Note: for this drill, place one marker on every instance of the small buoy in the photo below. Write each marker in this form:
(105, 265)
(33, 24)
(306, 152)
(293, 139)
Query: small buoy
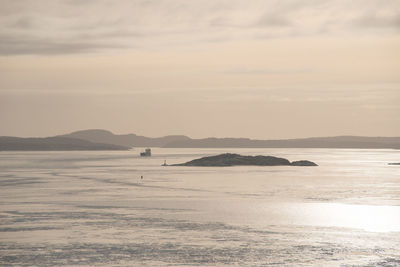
(141, 177)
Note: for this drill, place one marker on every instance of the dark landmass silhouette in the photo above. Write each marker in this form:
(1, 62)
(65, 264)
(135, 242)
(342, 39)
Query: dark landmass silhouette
(181, 141)
(106, 140)
(52, 144)
(228, 159)
(356, 142)
(303, 163)
(394, 163)
(129, 140)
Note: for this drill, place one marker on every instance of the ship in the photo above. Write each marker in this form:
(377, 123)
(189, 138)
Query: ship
(146, 153)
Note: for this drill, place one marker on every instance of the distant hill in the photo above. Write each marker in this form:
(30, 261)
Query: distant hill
(315, 142)
(129, 140)
(52, 144)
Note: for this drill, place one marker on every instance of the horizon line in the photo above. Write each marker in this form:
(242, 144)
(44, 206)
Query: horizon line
(209, 137)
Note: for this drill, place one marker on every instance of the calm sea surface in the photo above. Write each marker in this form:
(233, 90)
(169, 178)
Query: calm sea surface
(93, 209)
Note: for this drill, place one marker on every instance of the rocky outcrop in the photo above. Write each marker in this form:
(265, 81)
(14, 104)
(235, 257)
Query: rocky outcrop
(229, 159)
(303, 163)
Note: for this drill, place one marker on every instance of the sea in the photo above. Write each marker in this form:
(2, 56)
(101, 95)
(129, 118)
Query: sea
(115, 208)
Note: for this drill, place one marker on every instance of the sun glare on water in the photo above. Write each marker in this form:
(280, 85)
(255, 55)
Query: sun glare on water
(367, 217)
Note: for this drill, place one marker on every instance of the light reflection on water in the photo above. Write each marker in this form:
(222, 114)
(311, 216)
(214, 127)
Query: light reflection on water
(370, 218)
(365, 217)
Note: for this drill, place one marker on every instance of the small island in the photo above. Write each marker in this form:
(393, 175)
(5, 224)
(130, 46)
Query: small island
(394, 163)
(229, 159)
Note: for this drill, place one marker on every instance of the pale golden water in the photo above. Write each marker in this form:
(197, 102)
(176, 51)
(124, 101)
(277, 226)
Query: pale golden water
(92, 209)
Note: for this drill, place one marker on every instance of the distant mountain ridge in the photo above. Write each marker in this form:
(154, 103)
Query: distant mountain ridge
(181, 141)
(97, 139)
(52, 144)
(314, 142)
(129, 140)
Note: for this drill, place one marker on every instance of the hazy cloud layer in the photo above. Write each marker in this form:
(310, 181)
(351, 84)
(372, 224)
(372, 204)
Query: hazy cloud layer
(243, 112)
(70, 26)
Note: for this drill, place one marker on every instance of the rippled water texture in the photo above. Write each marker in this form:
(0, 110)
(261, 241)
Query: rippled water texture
(93, 209)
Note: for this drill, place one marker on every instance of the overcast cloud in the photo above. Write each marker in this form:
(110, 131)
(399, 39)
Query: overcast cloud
(70, 26)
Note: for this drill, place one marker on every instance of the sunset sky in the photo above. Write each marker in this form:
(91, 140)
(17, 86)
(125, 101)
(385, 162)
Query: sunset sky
(224, 68)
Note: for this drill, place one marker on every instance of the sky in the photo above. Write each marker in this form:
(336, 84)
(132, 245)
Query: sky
(224, 68)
